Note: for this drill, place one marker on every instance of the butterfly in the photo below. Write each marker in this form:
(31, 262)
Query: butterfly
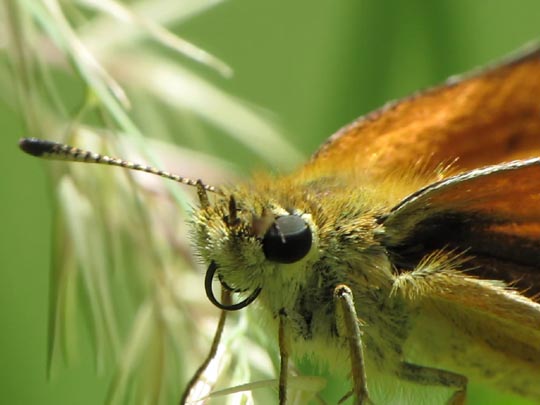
(405, 253)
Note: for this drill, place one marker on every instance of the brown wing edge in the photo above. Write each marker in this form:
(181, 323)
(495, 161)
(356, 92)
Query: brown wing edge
(522, 55)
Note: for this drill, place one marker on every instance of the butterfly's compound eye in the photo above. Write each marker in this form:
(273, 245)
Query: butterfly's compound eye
(287, 240)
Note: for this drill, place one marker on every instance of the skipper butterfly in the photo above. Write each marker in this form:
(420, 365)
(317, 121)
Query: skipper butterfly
(405, 252)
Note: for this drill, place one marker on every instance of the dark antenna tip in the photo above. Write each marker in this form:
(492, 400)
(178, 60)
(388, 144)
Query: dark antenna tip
(36, 147)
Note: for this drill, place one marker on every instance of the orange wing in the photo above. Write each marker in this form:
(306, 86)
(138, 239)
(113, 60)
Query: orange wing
(492, 214)
(481, 119)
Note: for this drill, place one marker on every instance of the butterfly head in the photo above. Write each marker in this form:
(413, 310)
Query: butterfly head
(253, 243)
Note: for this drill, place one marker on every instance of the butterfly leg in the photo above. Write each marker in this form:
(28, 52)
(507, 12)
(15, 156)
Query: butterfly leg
(343, 299)
(225, 299)
(284, 356)
(435, 377)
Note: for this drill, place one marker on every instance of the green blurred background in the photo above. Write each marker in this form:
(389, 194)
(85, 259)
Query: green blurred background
(314, 65)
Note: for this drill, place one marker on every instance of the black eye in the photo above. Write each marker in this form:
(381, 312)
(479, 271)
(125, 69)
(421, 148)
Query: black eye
(288, 240)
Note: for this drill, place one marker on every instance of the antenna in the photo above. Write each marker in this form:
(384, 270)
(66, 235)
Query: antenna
(59, 151)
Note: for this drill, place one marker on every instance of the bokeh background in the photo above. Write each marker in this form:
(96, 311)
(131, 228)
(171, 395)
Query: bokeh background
(314, 66)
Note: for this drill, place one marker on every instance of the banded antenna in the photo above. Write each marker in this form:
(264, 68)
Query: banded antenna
(59, 151)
